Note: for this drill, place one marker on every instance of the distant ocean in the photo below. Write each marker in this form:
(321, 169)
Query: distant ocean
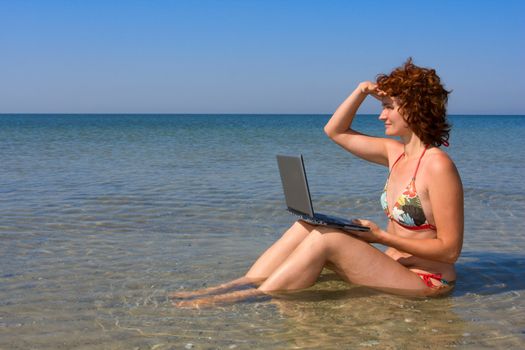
(102, 215)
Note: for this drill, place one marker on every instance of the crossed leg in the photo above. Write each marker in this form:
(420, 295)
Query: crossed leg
(354, 260)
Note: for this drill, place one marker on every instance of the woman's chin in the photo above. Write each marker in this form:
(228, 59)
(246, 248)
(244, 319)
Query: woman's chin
(389, 131)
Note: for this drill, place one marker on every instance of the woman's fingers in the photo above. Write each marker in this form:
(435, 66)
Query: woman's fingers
(368, 87)
(362, 222)
(378, 94)
(367, 223)
(371, 88)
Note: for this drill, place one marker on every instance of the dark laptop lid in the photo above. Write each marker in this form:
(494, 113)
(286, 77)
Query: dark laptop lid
(295, 184)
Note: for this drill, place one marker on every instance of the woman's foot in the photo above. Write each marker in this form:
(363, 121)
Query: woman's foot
(219, 299)
(222, 288)
(193, 293)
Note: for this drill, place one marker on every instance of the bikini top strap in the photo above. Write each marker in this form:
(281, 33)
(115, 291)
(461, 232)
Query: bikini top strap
(419, 161)
(397, 160)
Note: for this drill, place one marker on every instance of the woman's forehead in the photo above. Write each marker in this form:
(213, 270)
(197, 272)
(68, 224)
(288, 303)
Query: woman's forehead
(387, 100)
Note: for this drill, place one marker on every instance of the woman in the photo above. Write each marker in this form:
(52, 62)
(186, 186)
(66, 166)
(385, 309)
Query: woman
(422, 197)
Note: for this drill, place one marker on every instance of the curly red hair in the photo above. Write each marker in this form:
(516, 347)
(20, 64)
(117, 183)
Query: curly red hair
(422, 99)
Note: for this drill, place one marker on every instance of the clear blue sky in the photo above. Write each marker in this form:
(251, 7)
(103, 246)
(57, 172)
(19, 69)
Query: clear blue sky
(252, 56)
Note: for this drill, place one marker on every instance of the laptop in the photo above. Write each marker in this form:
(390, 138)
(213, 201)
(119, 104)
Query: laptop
(297, 196)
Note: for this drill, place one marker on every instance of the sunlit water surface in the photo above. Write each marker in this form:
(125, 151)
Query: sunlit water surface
(103, 215)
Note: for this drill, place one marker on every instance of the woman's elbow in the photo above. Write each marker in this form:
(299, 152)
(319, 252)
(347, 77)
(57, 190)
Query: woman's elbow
(451, 245)
(329, 132)
(451, 256)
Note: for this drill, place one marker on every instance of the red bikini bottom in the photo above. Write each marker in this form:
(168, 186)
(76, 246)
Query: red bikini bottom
(428, 277)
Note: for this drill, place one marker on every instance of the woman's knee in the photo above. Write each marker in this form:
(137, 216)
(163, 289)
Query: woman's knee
(299, 230)
(315, 241)
(335, 241)
(304, 226)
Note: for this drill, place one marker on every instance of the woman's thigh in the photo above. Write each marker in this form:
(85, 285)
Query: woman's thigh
(361, 263)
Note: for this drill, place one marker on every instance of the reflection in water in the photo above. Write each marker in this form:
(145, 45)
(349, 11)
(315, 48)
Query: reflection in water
(331, 315)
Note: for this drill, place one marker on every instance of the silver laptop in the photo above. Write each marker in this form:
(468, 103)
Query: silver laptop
(297, 196)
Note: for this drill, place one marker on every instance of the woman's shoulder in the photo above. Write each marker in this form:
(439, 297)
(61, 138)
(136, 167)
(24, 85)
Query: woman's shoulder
(439, 163)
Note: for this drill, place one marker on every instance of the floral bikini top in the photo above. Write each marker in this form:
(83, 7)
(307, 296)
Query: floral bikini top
(407, 210)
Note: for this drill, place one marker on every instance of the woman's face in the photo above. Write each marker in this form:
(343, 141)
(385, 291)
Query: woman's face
(395, 124)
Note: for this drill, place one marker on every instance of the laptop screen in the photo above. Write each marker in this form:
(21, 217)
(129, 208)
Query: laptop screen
(295, 185)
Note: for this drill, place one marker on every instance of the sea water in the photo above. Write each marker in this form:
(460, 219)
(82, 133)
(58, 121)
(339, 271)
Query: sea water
(103, 215)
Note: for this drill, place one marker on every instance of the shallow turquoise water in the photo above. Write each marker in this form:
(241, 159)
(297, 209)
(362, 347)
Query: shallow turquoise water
(102, 215)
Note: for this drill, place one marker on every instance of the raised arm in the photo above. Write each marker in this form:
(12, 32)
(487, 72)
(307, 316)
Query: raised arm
(338, 128)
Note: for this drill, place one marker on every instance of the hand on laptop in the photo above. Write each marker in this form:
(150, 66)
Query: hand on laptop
(375, 235)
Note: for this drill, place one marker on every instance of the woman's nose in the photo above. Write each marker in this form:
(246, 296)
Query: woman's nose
(382, 116)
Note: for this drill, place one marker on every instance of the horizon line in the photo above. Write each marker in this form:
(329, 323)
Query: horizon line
(233, 114)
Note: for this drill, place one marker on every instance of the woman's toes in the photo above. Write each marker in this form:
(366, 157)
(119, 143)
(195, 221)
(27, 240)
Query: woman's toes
(192, 304)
